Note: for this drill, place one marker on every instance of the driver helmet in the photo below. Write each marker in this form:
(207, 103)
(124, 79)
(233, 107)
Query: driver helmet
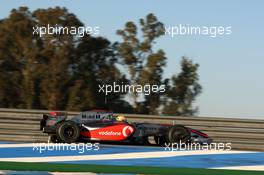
(53, 113)
(121, 118)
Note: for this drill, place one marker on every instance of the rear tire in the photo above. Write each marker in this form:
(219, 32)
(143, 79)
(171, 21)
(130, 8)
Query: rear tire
(68, 132)
(177, 134)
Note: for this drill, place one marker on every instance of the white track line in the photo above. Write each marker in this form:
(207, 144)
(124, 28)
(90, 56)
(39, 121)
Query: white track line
(250, 168)
(21, 145)
(12, 145)
(72, 173)
(119, 156)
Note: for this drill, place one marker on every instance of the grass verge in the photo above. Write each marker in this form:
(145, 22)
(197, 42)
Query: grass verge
(27, 166)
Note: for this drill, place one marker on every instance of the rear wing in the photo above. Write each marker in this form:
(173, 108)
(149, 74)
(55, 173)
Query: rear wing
(52, 118)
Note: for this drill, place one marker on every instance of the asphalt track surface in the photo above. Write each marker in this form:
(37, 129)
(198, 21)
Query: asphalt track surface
(135, 156)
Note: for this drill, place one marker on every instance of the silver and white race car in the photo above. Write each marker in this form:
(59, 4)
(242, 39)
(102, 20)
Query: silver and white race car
(102, 125)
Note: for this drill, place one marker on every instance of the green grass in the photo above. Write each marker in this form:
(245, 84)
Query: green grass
(19, 166)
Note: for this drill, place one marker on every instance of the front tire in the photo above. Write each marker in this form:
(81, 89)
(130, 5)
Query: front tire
(177, 134)
(68, 132)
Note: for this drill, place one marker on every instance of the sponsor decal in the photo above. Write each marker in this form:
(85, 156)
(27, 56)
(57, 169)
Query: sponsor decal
(110, 133)
(127, 130)
(51, 122)
(118, 131)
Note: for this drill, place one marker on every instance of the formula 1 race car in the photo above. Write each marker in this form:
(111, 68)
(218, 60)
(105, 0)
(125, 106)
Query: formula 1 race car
(100, 125)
